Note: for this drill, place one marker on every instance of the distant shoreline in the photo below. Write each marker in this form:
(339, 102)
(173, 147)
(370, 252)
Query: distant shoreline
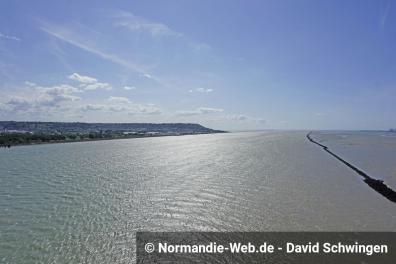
(101, 139)
(15, 133)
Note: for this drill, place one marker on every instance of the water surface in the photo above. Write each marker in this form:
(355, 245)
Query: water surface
(83, 202)
(372, 151)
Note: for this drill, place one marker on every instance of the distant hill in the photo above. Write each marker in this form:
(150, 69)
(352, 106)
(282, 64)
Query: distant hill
(77, 127)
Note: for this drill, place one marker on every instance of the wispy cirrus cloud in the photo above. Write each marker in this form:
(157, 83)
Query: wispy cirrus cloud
(73, 38)
(384, 14)
(139, 24)
(84, 38)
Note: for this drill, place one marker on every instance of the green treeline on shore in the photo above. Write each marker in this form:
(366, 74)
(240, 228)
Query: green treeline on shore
(12, 139)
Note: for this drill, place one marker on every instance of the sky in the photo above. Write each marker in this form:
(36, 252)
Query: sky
(235, 65)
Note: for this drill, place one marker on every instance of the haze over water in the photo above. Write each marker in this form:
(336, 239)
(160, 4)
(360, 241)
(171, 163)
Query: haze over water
(83, 202)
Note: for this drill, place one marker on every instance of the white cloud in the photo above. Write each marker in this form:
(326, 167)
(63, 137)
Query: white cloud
(138, 24)
(117, 108)
(129, 88)
(59, 89)
(200, 111)
(207, 110)
(89, 83)
(203, 90)
(123, 105)
(92, 107)
(81, 78)
(127, 108)
(148, 76)
(119, 99)
(42, 99)
(79, 36)
(156, 79)
(56, 95)
(246, 118)
(63, 101)
(17, 104)
(147, 109)
(239, 117)
(96, 86)
(9, 37)
(31, 84)
(187, 113)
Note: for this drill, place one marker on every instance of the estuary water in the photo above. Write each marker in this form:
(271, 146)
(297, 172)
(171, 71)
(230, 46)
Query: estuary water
(83, 202)
(372, 151)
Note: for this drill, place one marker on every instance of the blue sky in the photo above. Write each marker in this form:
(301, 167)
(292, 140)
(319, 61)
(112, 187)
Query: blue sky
(224, 64)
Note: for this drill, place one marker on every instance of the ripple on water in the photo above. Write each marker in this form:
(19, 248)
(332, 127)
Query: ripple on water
(83, 202)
